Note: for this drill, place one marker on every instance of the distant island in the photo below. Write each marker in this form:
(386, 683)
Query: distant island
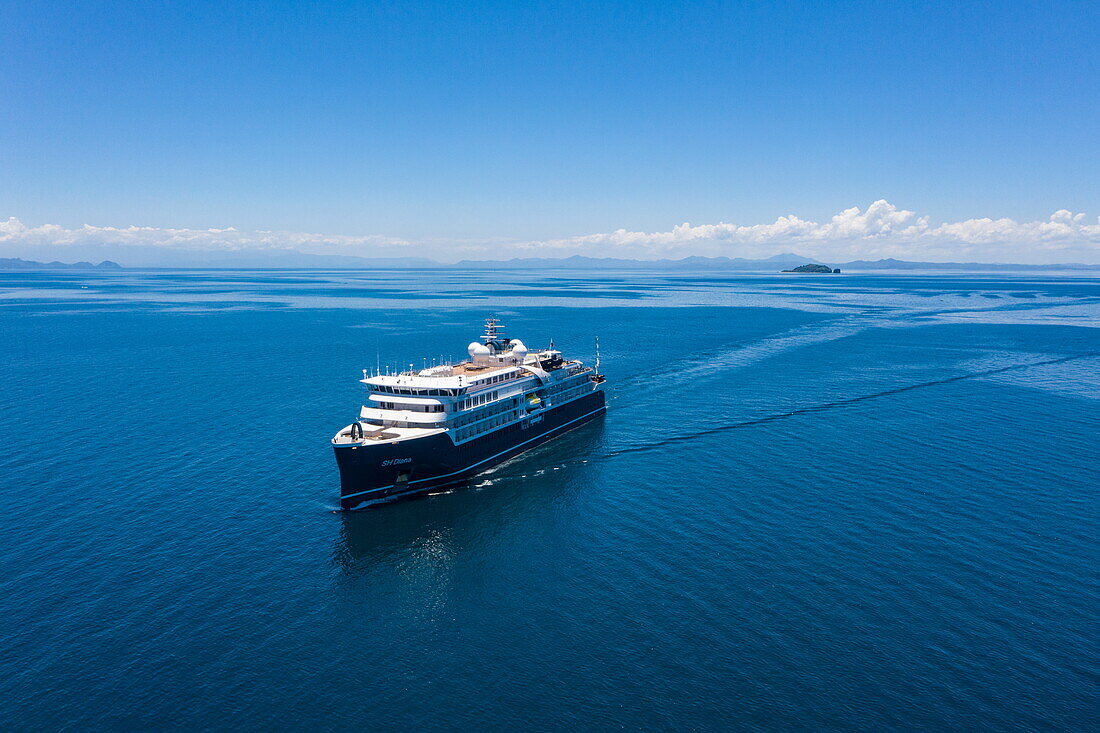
(823, 269)
(18, 263)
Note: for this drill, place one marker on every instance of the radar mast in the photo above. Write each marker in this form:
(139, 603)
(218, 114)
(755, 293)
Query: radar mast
(494, 331)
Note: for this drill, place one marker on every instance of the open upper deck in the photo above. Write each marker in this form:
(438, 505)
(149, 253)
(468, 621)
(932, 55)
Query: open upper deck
(443, 381)
(453, 379)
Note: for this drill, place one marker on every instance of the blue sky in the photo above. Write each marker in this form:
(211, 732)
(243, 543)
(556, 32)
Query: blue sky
(454, 126)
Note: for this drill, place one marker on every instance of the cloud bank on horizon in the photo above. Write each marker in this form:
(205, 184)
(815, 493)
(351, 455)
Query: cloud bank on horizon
(881, 230)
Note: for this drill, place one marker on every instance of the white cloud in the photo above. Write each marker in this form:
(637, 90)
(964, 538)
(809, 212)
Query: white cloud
(230, 239)
(880, 230)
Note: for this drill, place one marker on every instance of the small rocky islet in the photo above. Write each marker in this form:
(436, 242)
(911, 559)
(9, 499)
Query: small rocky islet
(823, 269)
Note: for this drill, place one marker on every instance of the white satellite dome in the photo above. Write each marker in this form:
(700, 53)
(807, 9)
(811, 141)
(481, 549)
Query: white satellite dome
(476, 350)
(518, 349)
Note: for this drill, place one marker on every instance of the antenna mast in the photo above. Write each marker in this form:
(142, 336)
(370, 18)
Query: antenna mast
(493, 330)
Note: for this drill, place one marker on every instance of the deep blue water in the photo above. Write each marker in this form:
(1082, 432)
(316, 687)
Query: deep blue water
(852, 502)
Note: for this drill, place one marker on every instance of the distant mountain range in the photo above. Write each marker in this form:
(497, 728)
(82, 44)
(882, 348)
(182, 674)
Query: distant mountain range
(579, 262)
(892, 264)
(300, 260)
(18, 263)
(770, 264)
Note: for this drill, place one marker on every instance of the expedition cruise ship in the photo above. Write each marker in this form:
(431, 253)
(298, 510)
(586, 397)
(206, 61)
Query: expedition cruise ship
(429, 428)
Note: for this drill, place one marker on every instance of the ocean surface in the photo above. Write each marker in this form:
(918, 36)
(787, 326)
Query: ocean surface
(854, 502)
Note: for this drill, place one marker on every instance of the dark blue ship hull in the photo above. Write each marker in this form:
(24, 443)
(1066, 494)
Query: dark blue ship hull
(383, 471)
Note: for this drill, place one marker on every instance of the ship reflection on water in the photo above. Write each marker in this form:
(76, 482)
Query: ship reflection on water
(425, 533)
